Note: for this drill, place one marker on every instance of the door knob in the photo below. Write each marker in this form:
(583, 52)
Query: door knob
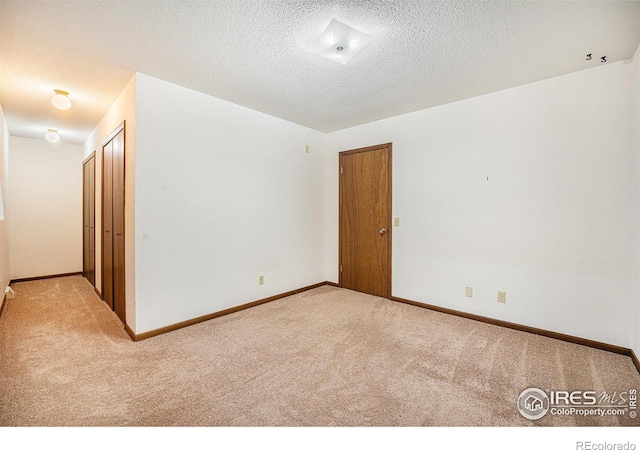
(383, 230)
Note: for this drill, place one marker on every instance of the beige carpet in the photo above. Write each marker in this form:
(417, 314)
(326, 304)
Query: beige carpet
(327, 357)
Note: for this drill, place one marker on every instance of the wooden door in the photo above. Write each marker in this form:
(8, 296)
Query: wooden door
(118, 225)
(113, 267)
(107, 223)
(88, 219)
(92, 220)
(365, 220)
(85, 221)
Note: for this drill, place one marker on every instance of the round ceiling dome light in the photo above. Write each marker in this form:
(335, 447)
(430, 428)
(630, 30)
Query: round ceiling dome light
(61, 100)
(52, 135)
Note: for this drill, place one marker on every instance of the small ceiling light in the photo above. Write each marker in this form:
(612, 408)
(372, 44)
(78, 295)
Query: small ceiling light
(60, 100)
(52, 135)
(340, 42)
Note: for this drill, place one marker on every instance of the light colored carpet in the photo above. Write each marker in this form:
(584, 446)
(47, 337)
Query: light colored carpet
(326, 357)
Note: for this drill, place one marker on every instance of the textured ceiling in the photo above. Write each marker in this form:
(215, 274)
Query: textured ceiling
(253, 53)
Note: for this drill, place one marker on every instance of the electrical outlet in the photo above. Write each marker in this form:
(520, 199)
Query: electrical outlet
(502, 297)
(468, 291)
(261, 280)
(396, 222)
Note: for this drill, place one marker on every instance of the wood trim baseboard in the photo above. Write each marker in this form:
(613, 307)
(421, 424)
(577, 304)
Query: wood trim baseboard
(525, 328)
(44, 277)
(635, 359)
(186, 323)
(131, 333)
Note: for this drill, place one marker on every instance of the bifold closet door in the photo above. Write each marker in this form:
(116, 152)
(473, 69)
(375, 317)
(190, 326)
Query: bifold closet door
(107, 224)
(92, 220)
(88, 220)
(118, 225)
(113, 268)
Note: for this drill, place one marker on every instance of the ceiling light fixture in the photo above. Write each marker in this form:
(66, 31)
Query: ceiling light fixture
(340, 42)
(52, 135)
(60, 100)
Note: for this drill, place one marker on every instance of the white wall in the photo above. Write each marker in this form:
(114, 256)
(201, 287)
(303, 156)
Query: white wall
(551, 226)
(45, 208)
(223, 194)
(5, 271)
(636, 243)
(122, 110)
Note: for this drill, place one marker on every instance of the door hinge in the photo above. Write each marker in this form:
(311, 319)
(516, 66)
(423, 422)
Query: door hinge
(341, 170)
(340, 267)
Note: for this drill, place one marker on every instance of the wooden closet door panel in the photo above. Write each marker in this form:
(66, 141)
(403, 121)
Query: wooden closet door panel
(85, 220)
(107, 224)
(88, 220)
(92, 221)
(118, 226)
(113, 256)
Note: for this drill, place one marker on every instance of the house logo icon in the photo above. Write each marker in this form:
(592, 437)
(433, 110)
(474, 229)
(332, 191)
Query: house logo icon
(533, 403)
